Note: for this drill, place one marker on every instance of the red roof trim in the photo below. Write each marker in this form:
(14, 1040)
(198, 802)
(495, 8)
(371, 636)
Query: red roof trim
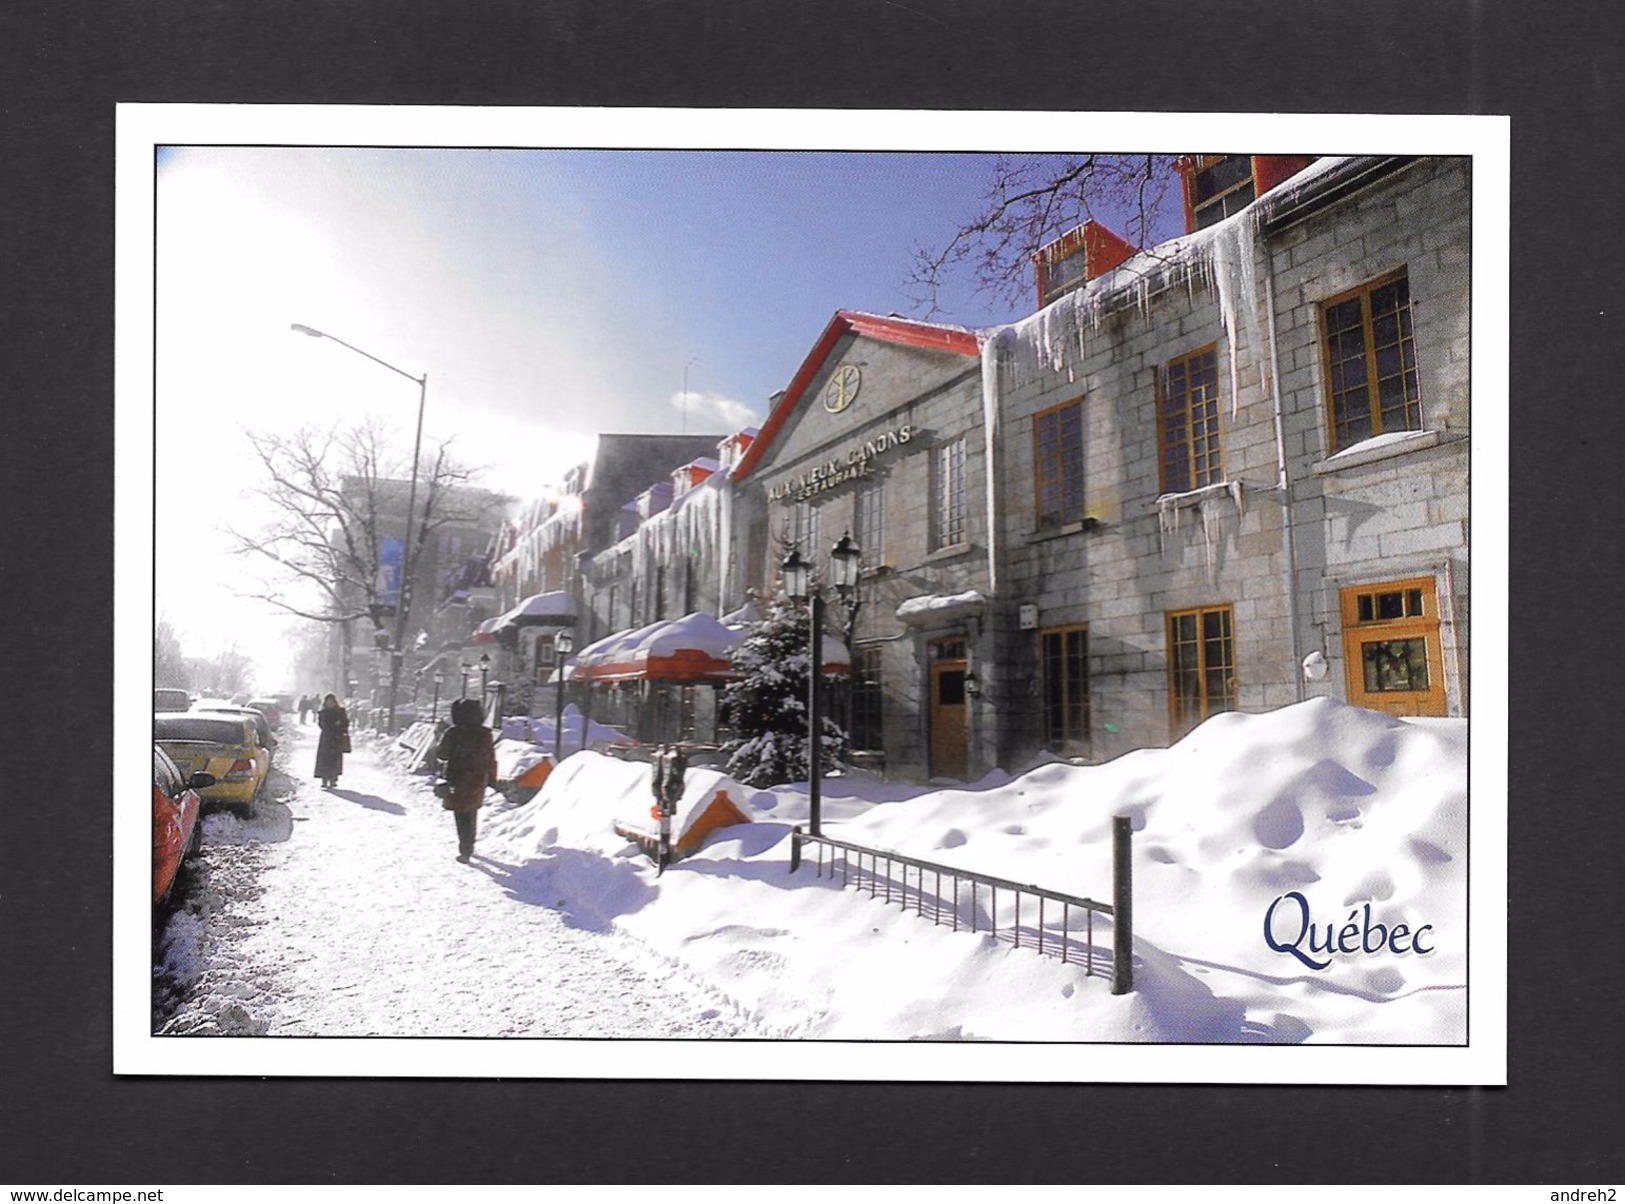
(906, 331)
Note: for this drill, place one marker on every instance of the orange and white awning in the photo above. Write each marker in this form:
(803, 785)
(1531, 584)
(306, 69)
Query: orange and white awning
(697, 648)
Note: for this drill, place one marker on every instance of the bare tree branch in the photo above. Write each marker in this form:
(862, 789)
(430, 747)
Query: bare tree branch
(330, 498)
(1031, 201)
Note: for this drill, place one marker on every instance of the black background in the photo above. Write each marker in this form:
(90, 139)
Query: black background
(65, 1119)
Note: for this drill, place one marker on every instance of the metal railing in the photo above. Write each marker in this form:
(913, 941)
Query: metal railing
(917, 884)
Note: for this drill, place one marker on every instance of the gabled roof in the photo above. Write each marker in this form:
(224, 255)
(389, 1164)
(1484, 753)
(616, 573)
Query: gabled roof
(890, 329)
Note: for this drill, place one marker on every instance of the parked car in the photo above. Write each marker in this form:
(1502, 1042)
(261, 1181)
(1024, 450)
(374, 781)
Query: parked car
(270, 708)
(262, 725)
(168, 698)
(224, 745)
(177, 822)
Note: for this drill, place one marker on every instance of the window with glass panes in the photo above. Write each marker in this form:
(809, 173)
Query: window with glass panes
(804, 534)
(1058, 464)
(948, 495)
(691, 583)
(1063, 668)
(867, 724)
(870, 523)
(1063, 273)
(1188, 422)
(1220, 186)
(1371, 361)
(1391, 647)
(1201, 666)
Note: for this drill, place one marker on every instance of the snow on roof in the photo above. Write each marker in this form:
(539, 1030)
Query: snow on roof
(1221, 256)
(750, 612)
(698, 632)
(940, 604)
(554, 605)
(697, 646)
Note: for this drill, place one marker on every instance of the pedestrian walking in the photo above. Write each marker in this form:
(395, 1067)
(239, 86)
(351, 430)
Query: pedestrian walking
(307, 704)
(469, 752)
(333, 743)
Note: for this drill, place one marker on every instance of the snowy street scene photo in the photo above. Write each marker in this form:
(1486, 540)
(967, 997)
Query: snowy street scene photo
(344, 912)
(691, 611)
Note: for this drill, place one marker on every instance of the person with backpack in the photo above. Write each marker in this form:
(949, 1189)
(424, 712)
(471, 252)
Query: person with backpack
(469, 752)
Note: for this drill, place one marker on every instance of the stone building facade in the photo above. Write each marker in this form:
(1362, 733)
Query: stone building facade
(1227, 473)
(880, 434)
(1237, 469)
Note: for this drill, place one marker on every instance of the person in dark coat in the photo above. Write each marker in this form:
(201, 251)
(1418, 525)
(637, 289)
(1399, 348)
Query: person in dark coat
(469, 751)
(332, 744)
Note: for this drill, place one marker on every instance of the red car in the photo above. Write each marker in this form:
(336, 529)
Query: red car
(270, 708)
(177, 826)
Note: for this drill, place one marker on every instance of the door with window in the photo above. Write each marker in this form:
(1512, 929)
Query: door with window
(1201, 666)
(1063, 671)
(950, 717)
(1391, 650)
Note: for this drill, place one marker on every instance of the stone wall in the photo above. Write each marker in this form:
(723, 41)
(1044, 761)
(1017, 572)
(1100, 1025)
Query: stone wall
(1383, 513)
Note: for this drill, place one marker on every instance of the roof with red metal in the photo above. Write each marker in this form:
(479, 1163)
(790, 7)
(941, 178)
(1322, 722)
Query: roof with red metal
(890, 328)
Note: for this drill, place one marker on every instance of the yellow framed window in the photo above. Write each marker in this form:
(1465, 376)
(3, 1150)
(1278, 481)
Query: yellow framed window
(1188, 422)
(1201, 665)
(1370, 353)
(1392, 657)
(1058, 464)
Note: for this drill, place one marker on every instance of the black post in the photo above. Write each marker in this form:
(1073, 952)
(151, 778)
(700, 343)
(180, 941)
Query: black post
(815, 720)
(1122, 905)
(795, 848)
(558, 715)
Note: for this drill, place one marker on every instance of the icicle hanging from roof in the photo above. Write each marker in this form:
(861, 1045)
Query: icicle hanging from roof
(1222, 257)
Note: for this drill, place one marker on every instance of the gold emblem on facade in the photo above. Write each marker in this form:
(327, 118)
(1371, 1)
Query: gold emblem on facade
(842, 389)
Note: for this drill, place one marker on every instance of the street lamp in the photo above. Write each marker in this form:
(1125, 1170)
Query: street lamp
(485, 672)
(563, 644)
(434, 710)
(843, 572)
(462, 690)
(404, 589)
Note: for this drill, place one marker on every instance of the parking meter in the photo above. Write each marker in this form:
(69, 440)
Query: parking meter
(670, 765)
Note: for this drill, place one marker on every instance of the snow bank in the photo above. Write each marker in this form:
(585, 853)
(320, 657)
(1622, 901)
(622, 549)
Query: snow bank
(1361, 816)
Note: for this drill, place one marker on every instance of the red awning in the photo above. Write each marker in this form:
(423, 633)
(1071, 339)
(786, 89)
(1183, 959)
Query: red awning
(695, 649)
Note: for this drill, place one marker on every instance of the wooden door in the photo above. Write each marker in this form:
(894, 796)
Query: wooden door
(949, 719)
(1391, 650)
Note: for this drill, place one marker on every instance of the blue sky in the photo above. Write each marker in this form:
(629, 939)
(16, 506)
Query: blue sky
(548, 295)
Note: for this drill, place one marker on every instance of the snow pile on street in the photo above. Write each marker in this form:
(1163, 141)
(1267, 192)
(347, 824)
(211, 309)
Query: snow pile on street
(1348, 823)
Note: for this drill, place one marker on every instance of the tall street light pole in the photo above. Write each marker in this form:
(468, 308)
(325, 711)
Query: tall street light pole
(403, 599)
(563, 644)
(798, 583)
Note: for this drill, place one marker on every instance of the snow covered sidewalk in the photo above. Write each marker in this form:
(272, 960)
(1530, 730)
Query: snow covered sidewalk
(344, 913)
(1300, 876)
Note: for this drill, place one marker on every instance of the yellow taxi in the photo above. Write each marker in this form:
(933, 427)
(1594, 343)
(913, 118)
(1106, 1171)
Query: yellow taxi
(224, 745)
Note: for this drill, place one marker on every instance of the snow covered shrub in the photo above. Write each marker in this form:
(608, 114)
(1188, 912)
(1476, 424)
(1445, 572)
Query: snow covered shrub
(767, 706)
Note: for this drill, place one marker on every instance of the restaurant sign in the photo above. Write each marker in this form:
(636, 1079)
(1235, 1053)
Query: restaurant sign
(855, 463)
